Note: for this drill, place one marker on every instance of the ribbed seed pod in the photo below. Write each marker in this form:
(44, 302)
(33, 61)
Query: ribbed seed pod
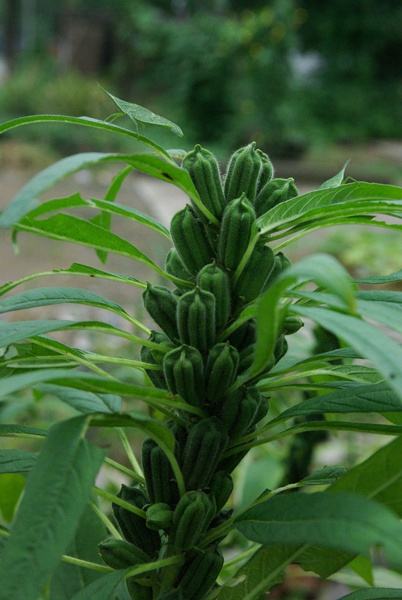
(204, 171)
(189, 237)
(244, 336)
(161, 304)
(281, 263)
(292, 325)
(281, 348)
(196, 319)
(159, 516)
(183, 368)
(221, 370)
(132, 526)
(238, 412)
(213, 279)
(274, 192)
(156, 377)
(158, 474)
(191, 517)
(120, 554)
(221, 487)
(266, 172)
(255, 274)
(175, 266)
(180, 436)
(237, 226)
(242, 173)
(205, 444)
(199, 573)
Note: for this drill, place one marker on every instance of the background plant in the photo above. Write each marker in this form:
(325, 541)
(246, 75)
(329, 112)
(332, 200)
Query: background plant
(224, 337)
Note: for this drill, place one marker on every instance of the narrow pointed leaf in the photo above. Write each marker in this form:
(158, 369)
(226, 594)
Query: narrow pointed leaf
(374, 594)
(335, 180)
(103, 588)
(143, 115)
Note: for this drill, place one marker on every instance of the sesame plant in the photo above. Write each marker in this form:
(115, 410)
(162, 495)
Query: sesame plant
(220, 378)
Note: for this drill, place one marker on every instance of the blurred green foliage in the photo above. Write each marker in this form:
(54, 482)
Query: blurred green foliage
(287, 73)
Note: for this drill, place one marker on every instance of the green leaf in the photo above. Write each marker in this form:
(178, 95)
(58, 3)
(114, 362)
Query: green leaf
(103, 588)
(28, 195)
(384, 353)
(75, 269)
(380, 279)
(16, 461)
(342, 521)
(83, 122)
(77, 201)
(68, 579)
(379, 478)
(59, 485)
(260, 573)
(374, 594)
(78, 231)
(15, 332)
(345, 200)
(377, 398)
(320, 268)
(335, 180)
(57, 295)
(84, 402)
(387, 313)
(14, 383)
(143, 115)
(11, 430)
(325, 475)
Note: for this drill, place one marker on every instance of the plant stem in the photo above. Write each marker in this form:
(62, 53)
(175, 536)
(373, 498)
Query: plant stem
(72, 560)
(157, 564)
(106, 521)
(130, 454)
(115, 465)
(116, 500)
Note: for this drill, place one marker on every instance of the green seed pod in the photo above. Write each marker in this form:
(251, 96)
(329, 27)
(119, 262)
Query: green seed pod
(292, 325)
(274, 192)
(244, 336)
(158, 474)
(161, 304)
(204, 171)
(189, 237)
(138, 591)
(184, 373)
(221, 370)
(213, 279)
(180, 436)
(196, 319)
(221, 487)
(238, 412)
(242, 173)
(281, 263)
(175, 266)
(156, 377)
(238, 224)
(159, 516)
(205, 444)
(255, 274)
(246, 358)
(191, 518)
(281, 348)
(266, 172)
(132, 526)
(199, 573)
(120, 554)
